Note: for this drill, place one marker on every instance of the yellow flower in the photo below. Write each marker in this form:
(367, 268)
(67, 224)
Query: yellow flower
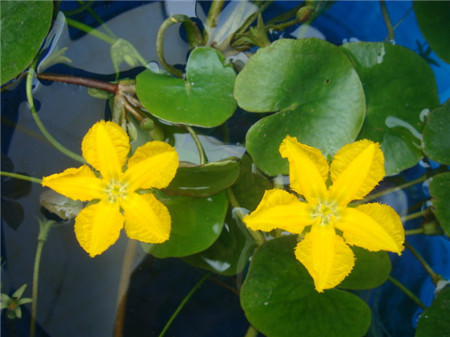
(153, 165)
(355, 170)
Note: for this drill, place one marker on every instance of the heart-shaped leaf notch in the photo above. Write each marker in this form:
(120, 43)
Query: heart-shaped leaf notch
(315, 90)
(203, 98)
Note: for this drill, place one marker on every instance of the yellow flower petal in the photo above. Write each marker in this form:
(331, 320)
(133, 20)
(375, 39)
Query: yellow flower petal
(308, 168)
(76, 183)
(153, 164)
(106, 146)
(355, 170)
(326, 257)
(373, 227)
(98, 226)
(146, 218)
(279, 209)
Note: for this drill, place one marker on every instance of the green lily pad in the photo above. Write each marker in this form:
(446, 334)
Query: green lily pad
(250, 186)
(315, 90)
(279, 299)
(205, 98)
(204, 180)
(433, 18)
(399, 87)
(440, 195)
(434, 321)
(196, 224)
(229, 254)
(371, 270)
(24, 26)
(436, 135)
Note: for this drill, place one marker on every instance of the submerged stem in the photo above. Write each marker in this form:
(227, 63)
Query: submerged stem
(183, 303)
(414, 231)
(412, 216)
(86, 82)
(387, 21)
(37, 120)
(88, 29)
(127, 264)
(251, 332)
(407, 292)
(434, 277)
(198, 144)
(21, 176)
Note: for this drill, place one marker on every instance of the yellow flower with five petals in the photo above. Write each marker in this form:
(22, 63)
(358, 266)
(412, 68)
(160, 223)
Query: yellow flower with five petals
(329, 225)
(153, 165)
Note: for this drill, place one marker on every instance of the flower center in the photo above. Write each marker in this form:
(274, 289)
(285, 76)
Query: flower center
(116, 190)
(324, 213)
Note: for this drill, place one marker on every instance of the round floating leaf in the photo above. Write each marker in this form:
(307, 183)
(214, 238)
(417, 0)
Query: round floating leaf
(23, 25)
(435, 320)
(433, 18)
(436, 135)
(205, 98)
(314, 88)
(371, 270)
(196, 224)
(399, 86)
(440, 193)
(204, 180)
(250, 186)
(279, 298)
(229, 254)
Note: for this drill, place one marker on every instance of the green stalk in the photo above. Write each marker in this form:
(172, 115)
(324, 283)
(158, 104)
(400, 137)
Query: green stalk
(414, 231)
(198, 144)
(160, 44)
(434, 277)
(37, 120)
(374, 196)
(412, 216)
(98, 19)
(387, 21)
(21, 176)
(183, 303)
(214, 12)
(87, 29)
(44, 228)
(407, 292)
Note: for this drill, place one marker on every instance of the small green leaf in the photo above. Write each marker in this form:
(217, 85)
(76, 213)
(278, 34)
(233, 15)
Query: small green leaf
(436, 134)
(24, 26)
(250, 186)
(399, 87)
(204, 180)
(205, 98)
(440, 195)
(279, 298)
(229, 254)
(433, 18)
(196, 224)
(315, 90)
(435, 320)
(371, 270)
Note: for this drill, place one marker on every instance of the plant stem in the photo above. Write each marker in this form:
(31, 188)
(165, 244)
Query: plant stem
(86, 82)
(414, 231)
(214, 12)
(407, 292)
(44, 228)
(124, 282)
(251, 332)
(38, 121)
(160, 44)
(198, 144)
(373, 196)
(87, 29)
(98, 19)
(412, 216)
(434, 277)
(387, 21)
(256, 235)
(21, 176)
(183, 303)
